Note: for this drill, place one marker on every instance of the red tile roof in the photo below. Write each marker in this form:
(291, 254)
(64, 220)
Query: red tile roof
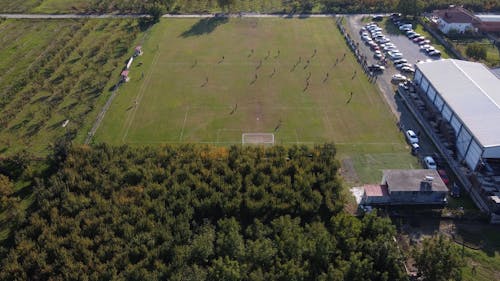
(456, 15)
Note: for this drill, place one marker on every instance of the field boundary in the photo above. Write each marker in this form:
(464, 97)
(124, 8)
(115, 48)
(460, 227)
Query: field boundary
(139, 96)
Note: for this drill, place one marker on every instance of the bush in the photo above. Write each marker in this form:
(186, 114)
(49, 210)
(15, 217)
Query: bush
(476, 51)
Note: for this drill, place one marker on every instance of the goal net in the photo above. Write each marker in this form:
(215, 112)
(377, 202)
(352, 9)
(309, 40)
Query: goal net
(257, 138)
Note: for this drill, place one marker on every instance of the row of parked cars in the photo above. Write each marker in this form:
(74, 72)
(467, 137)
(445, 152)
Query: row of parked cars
(373, 36)
(412, 35)
(428, 161)
(383, 48)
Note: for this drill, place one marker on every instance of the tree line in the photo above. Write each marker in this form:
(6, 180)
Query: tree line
(288, 6)
(191, 213)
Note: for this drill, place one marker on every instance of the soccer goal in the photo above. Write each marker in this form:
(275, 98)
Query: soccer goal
(257, 138)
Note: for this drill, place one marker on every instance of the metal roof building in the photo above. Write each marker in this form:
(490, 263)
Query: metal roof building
(467, 94)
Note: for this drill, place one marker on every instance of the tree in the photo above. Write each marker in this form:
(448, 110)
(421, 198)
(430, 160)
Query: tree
(476, 51)
(225, 4)
(438, 260)
(409, 7)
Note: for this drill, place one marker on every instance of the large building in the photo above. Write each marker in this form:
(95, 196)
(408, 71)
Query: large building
(467, 95)
(406, 187)
(457, 19)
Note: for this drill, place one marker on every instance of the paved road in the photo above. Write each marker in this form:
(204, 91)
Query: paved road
(70, 16)
(117, 16)
(384, 80)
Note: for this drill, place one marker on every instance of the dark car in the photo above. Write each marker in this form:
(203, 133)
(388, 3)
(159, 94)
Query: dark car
(377, 18)
(376, 67)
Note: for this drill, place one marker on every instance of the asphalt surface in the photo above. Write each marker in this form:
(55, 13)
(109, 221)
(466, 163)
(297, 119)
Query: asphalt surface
(118, 16)
(410, 51)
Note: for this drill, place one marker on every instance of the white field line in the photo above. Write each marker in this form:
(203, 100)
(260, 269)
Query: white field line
(184, 124)
(139, 96)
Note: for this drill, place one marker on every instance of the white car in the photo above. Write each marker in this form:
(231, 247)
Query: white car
(411, 137)
(408, 69)
(398, 78)
(389, 48)
(400, 61)
(395, 55)
(425, 47)
(387, 44)
(429, 163)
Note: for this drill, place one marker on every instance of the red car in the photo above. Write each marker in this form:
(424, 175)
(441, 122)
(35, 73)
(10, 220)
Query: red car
(418, 39)
(444, 176)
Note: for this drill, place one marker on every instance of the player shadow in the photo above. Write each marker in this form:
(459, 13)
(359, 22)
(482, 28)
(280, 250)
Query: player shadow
(204, 26)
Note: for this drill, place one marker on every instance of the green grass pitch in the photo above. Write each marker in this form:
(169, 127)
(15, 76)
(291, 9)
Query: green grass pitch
(206, 81)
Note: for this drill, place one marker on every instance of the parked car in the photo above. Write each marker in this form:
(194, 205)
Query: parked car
(384, 40)
(408, 69)
(405, 26)
(414, 35)
(389, 48)
(378, 18)
(411, 137)
(429, 163)
(430, 49)
(435, 53)
(400, 61)
(418, 39)
(395, 55)
(424, 42)
(444, 176)
(415, 148)
(376, 67)
(398, 78)
(378, 56)
(401, 65)
(424, 47)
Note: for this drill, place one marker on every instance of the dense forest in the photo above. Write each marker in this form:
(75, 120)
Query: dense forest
(189, 213)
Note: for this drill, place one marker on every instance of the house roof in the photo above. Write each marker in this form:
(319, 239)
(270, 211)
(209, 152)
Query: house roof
(489, 18)
(472, 92)
(456, 14)
(375, 190)
(410, 180)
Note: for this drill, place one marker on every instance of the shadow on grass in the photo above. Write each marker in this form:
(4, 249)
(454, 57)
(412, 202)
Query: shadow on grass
(205, 26)
(483, 236)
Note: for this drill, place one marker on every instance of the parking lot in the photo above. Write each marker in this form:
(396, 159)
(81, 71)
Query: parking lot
(412, 53)
(410, 50)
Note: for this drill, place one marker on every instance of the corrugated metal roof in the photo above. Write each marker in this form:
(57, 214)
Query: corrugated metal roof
(496, 71)
(489, 18)
(473, 93)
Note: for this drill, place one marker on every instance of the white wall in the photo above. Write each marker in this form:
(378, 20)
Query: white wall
(460, 27)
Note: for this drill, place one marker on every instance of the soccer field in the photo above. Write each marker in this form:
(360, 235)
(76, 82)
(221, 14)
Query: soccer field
(210, 81)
